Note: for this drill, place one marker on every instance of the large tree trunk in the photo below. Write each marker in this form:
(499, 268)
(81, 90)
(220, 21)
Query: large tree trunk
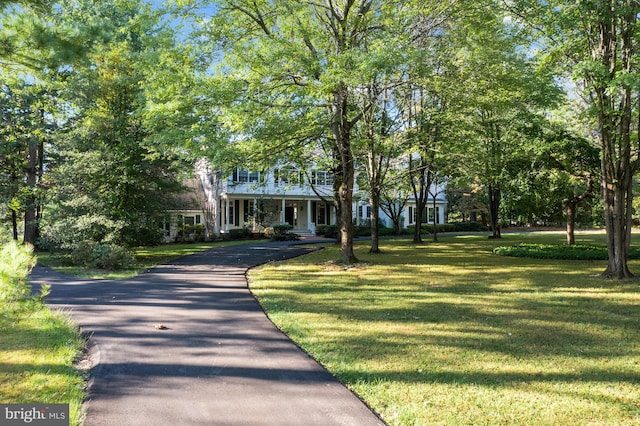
(617, 212)
(417, 231)
(14, 224)
(344, 181)
(31, 208)
(571, 208)
(613, 47)
(374, 200)
(570, 211)
(435, 221)
(494, 207)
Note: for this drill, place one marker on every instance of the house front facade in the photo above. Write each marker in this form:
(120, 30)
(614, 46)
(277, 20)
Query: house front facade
(255, 201)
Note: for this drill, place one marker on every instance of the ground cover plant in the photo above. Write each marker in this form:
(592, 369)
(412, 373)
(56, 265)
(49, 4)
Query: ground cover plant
(451, 333)
(560, 251)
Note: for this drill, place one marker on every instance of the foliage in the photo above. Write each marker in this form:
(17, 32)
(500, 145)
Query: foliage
(469, 227)
(448, 333)
(281, 232)
(328, 231)
(116, 188)
(500, 96)
(16, 261)
(102, 256)
(559, 251)
(293, 75)
(239, 234)
(597, 45)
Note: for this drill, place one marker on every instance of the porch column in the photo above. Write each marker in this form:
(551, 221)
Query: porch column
(255, 214)
(309, 224)
(282, 212)
(227, 214)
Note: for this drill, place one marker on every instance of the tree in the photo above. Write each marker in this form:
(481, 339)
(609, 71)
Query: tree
(114, 180)
(298, 68)
(500, 104)
(378, 146)
(578, 159)
(25, 127)
(34, 52)
(597, 43)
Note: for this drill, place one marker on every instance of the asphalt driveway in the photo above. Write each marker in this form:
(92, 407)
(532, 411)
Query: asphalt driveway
(187, 344)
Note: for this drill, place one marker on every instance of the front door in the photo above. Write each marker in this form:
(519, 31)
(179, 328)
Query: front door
(290, 215)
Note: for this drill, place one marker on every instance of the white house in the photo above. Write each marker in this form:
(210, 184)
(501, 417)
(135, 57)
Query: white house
(258, 200)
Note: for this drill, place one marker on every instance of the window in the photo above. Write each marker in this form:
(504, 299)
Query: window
(412, 215)
(319, 177)
(165, 225)
(287, 176)
(431, 215)
(244, 176)
(192, 220)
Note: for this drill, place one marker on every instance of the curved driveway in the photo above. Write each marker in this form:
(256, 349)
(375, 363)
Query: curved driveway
(219, 361)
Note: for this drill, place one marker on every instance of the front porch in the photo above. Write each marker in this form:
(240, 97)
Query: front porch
(257, 214)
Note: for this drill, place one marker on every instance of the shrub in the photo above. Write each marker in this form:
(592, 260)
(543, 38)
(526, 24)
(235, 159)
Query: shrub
(239, 234)
(469, 227)
(201, 234)
(16, 262)
(559, 251)
(102, 256)
(328, 231)
(442, 227)
(82, 255)
(66, 232)
(281, 233)
(108, 256)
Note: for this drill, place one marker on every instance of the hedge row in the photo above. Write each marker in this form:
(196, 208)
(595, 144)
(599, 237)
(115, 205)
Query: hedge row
(559, 251)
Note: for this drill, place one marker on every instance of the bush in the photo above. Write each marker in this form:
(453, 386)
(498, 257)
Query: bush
(16, 262)
(65, 233)
(281, 233)
(201, 234)
(102, 256)
(113, 257)
(82, 255)
(469, 227)
(144, 235)
(328, 231)
(239, 234)
(559, 251)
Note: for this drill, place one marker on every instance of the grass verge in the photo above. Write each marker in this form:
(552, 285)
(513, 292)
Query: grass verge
(450, 333)
(37, 350)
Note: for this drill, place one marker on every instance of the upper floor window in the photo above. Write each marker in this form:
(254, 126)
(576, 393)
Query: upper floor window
(321, 177)
(245, 176)
(287, 176)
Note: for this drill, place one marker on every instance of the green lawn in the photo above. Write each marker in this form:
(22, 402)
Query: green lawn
(450, 333)
(38, 348)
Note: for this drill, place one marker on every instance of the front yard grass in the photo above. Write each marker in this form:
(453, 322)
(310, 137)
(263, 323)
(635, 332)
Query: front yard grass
(37, 350)
(450, 333)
